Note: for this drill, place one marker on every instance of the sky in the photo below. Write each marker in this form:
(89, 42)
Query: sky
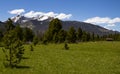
(105, 13)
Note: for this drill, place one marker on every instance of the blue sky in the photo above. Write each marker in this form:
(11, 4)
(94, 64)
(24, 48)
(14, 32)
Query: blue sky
(90, 11)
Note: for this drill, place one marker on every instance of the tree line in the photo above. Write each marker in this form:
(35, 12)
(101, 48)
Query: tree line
(55, 34)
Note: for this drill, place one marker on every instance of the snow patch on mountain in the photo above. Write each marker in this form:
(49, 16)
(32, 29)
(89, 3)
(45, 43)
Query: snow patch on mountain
(23, 19)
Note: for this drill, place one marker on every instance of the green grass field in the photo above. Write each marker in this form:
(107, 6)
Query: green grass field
(82, 58)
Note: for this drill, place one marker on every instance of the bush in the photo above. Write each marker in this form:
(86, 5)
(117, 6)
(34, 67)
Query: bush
(66, 46)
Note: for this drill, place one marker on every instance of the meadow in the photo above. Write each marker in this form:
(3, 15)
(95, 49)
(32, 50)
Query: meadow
(81, 58)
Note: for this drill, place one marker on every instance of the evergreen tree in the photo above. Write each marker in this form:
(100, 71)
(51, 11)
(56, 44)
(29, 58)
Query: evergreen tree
(62, 36)
(71, 36)
(88, 37)
(9, 25)
(79, 34)
(28, 34)
(35, 40)
(13, 45)
(19, 32)
(54, 27)
(93, 37)
(55, 38)
(46, 37)
(84, 36)
(1, 35)
(116, 37)
(97, 37)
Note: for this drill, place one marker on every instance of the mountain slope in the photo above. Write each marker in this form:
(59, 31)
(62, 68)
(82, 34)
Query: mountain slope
(41, 25)
(87, 27)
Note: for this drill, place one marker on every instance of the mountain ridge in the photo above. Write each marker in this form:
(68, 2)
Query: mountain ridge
(42, 25)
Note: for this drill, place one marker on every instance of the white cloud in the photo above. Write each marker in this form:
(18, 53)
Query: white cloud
(63, 16)
(111, 25)
(50, 14)
(32, 14)
(40, 15)
(115, 20)
(44, 15)
(104, 20)
(17, 11)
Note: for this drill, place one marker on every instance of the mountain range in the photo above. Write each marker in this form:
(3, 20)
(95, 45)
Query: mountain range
(41, 24)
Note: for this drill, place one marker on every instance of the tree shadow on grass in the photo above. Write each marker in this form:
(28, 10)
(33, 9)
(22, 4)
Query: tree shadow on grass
(23, 67)
(25, 58)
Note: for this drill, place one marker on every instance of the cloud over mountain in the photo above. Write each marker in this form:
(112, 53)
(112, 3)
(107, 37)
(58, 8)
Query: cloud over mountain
(17, 11)
(44, 15)
(104, 20)
(41, 15)
(63, 16)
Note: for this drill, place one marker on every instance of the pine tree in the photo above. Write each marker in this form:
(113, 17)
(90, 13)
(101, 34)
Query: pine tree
(93, 37)
(19, 31)
(79, 34)
(35, 40)
(13, 45)
(9, 25)
(55, 38)
(84, 36)
(1, 35)
(54, 27)
(13, 48)
(71, 36)
(28, 34)
(62, 36)
(97, 38)
(88, 37)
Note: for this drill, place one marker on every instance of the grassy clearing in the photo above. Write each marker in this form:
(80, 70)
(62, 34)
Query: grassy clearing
(82, 58)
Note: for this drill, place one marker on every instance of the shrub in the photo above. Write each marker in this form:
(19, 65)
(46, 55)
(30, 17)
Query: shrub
(66, 46)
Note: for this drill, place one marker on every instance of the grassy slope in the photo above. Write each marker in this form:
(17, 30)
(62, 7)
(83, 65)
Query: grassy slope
(82, 58)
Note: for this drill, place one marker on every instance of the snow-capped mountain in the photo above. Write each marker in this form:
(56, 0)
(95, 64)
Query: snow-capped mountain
(41, 23)
(22, 19)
